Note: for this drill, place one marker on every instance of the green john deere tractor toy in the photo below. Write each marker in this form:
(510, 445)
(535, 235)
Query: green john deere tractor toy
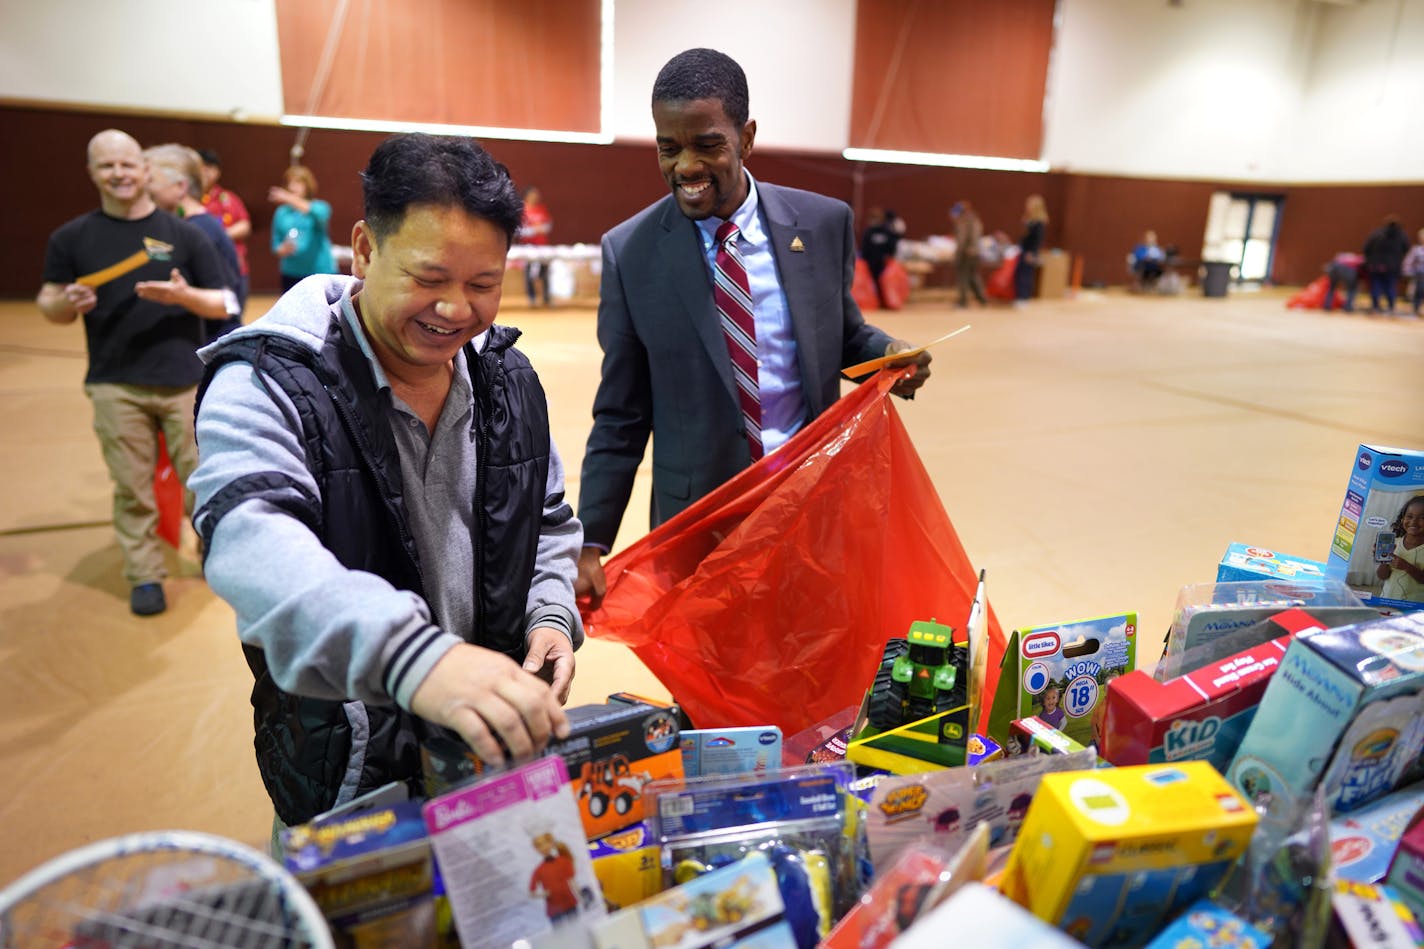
(921, 675)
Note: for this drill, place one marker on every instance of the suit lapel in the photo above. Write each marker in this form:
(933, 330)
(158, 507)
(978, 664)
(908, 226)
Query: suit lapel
(797, 279)
(684, 263)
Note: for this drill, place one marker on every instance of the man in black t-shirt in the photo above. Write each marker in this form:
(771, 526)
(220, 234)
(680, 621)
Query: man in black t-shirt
(136, 274)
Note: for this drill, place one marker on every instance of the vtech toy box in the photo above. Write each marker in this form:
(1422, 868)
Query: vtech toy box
(1369, 534)
(1108, 856)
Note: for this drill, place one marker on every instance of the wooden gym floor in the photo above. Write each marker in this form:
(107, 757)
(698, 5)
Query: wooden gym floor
(1095, 455)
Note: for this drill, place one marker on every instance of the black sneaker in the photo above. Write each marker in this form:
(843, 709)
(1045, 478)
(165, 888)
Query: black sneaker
(146, 599)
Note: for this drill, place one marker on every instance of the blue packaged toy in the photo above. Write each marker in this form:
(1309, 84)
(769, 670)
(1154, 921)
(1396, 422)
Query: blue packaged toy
(1378, 547)
(1248, 562)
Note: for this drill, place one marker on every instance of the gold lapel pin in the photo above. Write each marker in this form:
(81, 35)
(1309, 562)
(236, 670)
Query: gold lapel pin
(796, 244)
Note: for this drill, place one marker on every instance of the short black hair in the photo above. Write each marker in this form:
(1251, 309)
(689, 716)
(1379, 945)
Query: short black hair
(210, 156)
(444, 170)
(704, 74)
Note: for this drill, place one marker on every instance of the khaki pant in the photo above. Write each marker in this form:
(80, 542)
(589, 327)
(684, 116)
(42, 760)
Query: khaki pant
(127, 420)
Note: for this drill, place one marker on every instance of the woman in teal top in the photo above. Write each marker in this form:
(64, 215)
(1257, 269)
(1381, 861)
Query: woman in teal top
(299, 228)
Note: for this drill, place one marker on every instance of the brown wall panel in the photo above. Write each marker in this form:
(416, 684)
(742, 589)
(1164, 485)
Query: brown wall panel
(590, 188)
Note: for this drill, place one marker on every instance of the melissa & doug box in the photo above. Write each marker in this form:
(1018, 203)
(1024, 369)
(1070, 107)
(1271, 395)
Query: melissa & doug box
(1200, 715)
(1385, 484)
(1343, 710)
(1108, 856)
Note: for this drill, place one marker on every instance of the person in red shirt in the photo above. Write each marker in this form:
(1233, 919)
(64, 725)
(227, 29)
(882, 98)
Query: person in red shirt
(535, 230)
(553, 877)
(228, 208)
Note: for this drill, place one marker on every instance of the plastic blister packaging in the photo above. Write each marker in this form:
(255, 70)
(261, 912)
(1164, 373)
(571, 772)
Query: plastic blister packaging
(803, 819)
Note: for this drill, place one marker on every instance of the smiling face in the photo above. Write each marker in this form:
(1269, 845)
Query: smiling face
(700, 152)
(430, 287)
(118, 170)
(1050, 698)
(1412, 520)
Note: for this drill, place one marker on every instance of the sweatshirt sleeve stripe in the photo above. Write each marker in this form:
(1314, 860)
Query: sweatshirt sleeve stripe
(412, 658)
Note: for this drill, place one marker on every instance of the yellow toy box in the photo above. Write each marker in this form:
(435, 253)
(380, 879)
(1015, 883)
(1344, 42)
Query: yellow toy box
(1109, 856)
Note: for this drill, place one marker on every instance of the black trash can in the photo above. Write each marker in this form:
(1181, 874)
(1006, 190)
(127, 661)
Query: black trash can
(1216, 276)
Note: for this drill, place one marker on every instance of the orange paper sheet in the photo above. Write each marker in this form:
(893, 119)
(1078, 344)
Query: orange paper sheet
(860, 369)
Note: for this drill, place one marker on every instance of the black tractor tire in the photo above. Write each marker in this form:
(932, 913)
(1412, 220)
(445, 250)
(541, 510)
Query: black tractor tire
(886, 709)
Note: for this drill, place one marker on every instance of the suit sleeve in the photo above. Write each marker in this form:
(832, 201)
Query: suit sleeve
(622, 412)
(859, 340)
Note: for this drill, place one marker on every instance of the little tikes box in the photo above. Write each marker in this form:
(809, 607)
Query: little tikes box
(1201, 715)
(1058, 673)
(1110, 855)
(1343, 710)
(1382, 482)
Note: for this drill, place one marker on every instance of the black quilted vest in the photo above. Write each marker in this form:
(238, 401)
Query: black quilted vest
(308, 748)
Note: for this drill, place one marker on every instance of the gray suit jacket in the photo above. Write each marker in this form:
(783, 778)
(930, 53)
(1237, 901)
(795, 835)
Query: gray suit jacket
(666, 371)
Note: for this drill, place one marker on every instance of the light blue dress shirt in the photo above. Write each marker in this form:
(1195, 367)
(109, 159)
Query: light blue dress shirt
(783, 407)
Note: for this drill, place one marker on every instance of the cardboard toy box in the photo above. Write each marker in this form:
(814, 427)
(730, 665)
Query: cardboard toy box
(1200, 715)
(1406, 869)
(370, 872)
(1207, 924)
(1363, 842)
(1344, 709)
(1110, 855)
(1382, 481)
(612, 751)
(1371, 915)
(626, 864)
(730, 750)
(1247, 562)
(1058, 673)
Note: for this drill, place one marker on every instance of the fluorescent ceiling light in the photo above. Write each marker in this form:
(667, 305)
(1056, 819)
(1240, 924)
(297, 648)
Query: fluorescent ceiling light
(436, 128)
(946, 161)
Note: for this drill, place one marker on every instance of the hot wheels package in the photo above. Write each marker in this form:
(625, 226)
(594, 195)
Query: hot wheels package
(802, 819)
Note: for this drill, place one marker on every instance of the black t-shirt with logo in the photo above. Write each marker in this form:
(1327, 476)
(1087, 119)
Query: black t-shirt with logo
(131, 340)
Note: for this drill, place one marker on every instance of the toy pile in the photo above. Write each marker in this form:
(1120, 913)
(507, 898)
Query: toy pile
(1262, 786)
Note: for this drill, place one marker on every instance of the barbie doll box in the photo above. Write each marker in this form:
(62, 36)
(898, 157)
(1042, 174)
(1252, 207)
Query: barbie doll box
(1110, 855)
(1385, 489)
(1345, 710)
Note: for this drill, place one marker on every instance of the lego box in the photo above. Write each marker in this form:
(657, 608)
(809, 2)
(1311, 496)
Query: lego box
(1343, 710)
(1378, 547)
(1109, 856)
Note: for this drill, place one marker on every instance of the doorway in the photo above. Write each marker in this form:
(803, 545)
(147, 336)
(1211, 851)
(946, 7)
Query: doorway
(1241, 230)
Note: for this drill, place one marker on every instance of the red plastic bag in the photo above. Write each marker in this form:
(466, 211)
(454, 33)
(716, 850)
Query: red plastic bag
(1312, 296)
(1000, 284)
(770, 600)
(862, 288)
(894, 285)
(168, 494)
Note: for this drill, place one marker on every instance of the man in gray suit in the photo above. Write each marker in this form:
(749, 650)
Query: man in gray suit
(669, 275)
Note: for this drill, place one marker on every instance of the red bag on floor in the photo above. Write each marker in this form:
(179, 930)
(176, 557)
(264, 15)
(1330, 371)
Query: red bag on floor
(1000, 284)
(770, 600)
(168, 494)
(862, 288)
(1312, 296)
(894, 285)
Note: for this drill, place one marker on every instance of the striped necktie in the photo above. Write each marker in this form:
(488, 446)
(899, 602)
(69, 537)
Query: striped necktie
(733, 297)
